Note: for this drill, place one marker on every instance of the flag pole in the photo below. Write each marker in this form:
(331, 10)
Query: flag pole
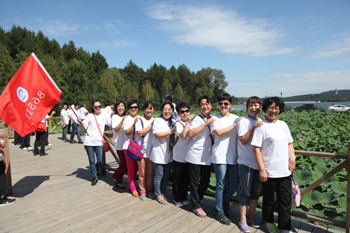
(74, 113)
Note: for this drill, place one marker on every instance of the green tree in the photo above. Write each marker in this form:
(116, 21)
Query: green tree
(147, 90)
(179, 93)
(166, 89)
(7, 67)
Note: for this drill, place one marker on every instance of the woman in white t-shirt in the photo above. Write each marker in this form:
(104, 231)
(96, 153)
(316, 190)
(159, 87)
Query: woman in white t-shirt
(198, 154)
(144, 135)
(94, 124)
(118, 136)
(248, 169)
(274, 153)
(224, 156)
(129, 129)
(180, 166)
(161, 153)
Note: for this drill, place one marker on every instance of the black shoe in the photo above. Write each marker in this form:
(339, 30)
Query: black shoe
(43, 154)
(72, 142)
(223, 219)
(35, 153)
(120, 186)
(94, 181)
(80, 142)
(6, 201)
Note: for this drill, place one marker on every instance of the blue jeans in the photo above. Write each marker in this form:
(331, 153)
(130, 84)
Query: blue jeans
(161, 177)
(91, 151)
(76, 129)
(250, 184)
(222, 194)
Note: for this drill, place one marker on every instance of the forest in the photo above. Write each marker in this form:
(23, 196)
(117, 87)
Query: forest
(85, 76)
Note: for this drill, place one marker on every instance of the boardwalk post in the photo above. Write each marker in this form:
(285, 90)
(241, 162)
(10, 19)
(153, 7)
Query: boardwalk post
(348, 193)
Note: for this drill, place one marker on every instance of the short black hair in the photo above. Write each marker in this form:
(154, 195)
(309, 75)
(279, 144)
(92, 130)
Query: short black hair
(76, 103)
(225, 96)
(133, 101)
(182, 105)
(147, 104)
(92, 105)
(205, 97)
(169, 98)
(267, 102)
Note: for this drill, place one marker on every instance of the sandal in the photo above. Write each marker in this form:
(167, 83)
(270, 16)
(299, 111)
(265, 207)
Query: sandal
(164, 201)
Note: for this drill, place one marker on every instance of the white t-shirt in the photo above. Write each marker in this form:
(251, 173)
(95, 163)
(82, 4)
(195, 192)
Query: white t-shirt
(74, 116)
(161, 152)
(147, 140)
(82, 113)
(108, 111)
(93, 136)
(199, 147)
(64, 114)
(225, 146)
(273, 138)
(118, 136)
(245, 152)
(127, 123)
(180, 148)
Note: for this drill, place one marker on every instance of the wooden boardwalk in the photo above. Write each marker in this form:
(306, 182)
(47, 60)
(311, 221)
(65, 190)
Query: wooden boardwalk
(54, 194)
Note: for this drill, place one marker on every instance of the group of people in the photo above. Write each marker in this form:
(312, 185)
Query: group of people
(247, 151)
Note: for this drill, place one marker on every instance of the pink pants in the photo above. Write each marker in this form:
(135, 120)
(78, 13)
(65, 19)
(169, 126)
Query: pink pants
(118, 174)
(145, 175)
(132, 170)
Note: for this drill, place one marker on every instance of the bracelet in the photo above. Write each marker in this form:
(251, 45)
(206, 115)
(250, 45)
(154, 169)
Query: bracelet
(291, 156)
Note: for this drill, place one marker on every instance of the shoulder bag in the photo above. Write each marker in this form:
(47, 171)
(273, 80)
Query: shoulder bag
(106, 146)
(136, 151)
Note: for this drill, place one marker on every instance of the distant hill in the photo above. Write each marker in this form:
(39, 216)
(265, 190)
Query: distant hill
(328, 96)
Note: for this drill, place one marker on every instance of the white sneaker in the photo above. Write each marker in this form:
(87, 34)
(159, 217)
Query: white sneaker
(29, 148)
(49, 144)
(24, 148)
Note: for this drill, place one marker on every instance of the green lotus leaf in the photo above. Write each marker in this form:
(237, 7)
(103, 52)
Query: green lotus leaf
(339, 188)
(303, 177)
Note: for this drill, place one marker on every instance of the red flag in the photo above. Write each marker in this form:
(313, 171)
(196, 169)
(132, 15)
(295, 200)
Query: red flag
(28, 97)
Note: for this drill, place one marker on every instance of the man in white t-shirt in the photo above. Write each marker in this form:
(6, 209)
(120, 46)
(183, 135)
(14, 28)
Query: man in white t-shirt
(74, 114)
(109, 110)
(64, 121)
(83, 112)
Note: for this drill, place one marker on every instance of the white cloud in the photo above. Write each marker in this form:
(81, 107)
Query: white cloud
(291, 84)
(60, 28)
(117, 44)
(222, 29)
(335, 49)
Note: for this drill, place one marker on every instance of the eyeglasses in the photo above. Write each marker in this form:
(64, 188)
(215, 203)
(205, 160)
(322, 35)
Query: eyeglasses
(97, 107)
(184, 111)
(133, 107)
(223, 103)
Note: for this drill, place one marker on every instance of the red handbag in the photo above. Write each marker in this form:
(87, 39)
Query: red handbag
(41, 127)
(106, 146)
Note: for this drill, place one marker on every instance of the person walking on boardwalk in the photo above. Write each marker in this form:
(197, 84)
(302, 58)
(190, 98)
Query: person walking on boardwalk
(94, 124)
(274, 153)
(198, 154)
(248, 169)
(74, 115)
(64, 121)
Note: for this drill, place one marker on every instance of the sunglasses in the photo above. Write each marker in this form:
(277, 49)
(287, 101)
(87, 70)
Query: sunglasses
(133, 107)
(223, 103)
(97, 107)
(184, 111)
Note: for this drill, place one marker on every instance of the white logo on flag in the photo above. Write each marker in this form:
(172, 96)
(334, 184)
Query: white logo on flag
(22, 94)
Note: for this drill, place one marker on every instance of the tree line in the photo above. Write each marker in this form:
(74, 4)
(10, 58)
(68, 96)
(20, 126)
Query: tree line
(85, 76)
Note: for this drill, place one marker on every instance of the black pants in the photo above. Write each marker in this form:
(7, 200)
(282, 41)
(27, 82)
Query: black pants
(3, 185)
(25, 141)
(282, 187)
(17, 138)
(199, 182)
(180, 181)
(40, 140)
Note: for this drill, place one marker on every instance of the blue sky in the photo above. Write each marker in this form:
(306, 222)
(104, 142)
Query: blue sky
(263, 47)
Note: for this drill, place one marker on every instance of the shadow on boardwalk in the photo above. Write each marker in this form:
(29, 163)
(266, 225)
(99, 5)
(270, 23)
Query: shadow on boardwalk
(54, 194)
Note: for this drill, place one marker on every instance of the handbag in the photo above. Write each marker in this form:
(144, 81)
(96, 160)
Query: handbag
(105, 144)
(41, 127)
(296, 195)
(136, 151)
